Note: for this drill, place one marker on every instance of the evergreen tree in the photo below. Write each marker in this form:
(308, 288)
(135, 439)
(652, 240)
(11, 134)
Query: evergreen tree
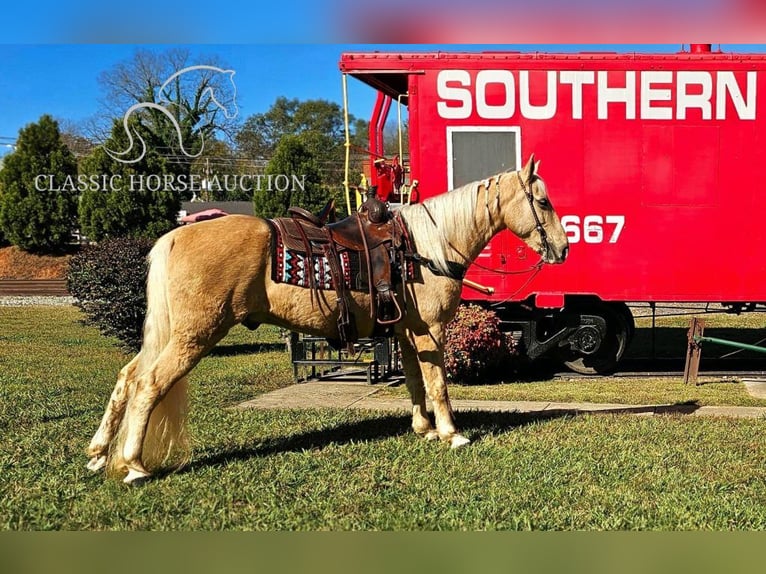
(291, 158)
(37, 205)
(135, 203)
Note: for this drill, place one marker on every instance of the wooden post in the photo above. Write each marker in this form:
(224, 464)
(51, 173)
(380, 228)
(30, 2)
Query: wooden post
(693, 350)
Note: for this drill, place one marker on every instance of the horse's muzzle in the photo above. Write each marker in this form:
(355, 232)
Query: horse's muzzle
(552, 256)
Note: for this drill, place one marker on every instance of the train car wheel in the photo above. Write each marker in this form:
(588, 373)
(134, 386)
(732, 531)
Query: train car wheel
(598, 344)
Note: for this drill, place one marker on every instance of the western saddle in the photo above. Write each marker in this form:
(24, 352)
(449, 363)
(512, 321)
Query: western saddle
(374, 235)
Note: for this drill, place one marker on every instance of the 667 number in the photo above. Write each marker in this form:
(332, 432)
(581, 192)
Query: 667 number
(593, 228)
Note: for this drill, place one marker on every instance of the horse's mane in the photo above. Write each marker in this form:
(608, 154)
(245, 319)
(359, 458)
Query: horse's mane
(453, 210)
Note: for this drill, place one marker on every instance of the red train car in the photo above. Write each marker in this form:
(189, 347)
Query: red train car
(654, 162)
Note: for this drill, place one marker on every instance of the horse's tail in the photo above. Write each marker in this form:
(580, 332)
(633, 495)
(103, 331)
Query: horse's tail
(167, 442)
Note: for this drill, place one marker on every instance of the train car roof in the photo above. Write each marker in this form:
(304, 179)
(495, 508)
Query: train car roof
(387, 71)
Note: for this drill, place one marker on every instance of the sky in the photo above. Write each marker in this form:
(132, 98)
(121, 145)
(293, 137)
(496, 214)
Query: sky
(62, 79)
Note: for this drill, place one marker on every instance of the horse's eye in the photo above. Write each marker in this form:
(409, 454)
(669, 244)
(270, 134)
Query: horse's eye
(544, 203)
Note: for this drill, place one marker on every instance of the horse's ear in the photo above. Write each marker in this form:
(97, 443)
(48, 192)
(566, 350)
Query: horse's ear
(537, 167)
(529, 169)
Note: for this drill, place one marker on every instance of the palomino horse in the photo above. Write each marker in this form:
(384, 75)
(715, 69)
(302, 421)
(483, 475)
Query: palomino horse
(205, 278)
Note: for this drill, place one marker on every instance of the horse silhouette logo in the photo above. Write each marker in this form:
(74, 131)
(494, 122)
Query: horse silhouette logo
(230, 111)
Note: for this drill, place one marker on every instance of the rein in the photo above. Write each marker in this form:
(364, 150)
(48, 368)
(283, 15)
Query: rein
(455, 270)
(537, 266)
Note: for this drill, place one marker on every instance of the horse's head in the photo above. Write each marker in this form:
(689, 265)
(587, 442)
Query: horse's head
(528, 213)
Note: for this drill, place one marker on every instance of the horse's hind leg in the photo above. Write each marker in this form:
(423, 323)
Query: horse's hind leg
(174, 362)
(98, 449)
(421, 422)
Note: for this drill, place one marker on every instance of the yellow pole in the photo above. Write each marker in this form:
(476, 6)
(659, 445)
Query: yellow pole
(399, 125)
(401, 147)
(347, 144)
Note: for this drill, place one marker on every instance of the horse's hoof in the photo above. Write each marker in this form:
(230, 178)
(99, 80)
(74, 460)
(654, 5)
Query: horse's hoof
(136, 477)
(458, 440)
(96, 463)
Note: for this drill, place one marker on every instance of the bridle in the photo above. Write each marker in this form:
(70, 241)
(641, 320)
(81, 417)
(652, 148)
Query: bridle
(457, 270)
(538, 224)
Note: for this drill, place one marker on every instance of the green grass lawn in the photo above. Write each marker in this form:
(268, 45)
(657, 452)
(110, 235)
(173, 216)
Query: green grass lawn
(333, 470)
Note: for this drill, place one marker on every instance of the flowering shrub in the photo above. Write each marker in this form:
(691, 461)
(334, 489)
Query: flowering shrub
(476, 349)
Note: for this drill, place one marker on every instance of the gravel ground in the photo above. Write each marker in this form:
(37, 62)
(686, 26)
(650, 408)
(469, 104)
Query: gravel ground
(22, 301)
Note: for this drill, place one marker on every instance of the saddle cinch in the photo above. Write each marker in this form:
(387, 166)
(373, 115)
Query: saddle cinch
(373, 236)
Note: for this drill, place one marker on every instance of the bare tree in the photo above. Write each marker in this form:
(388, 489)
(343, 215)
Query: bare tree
(74, 135)
(180, 102)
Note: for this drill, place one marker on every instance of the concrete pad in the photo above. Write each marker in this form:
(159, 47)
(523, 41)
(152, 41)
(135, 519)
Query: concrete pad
(593, 407)
(312, 395)
(756, 387)
(500, 406)
(388, 404)
(359, 395)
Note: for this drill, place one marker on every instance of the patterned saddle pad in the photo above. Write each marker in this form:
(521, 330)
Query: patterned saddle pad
(294, 267)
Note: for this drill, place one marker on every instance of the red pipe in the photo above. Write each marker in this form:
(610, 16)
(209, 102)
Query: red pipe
(373, 135)
(373, 125)
(377, 123)
(382, 124)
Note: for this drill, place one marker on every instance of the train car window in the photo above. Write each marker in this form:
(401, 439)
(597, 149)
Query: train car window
(475, 153)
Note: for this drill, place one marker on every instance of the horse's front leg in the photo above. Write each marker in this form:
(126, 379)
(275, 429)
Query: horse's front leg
(430, 354)
(421, 422)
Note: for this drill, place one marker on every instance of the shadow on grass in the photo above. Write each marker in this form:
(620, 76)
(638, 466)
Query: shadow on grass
(245, 349)
(475, 424)
(387, 426)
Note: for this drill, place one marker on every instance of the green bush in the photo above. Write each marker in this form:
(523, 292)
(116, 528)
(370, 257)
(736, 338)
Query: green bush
(108, 282)
(477, 351)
